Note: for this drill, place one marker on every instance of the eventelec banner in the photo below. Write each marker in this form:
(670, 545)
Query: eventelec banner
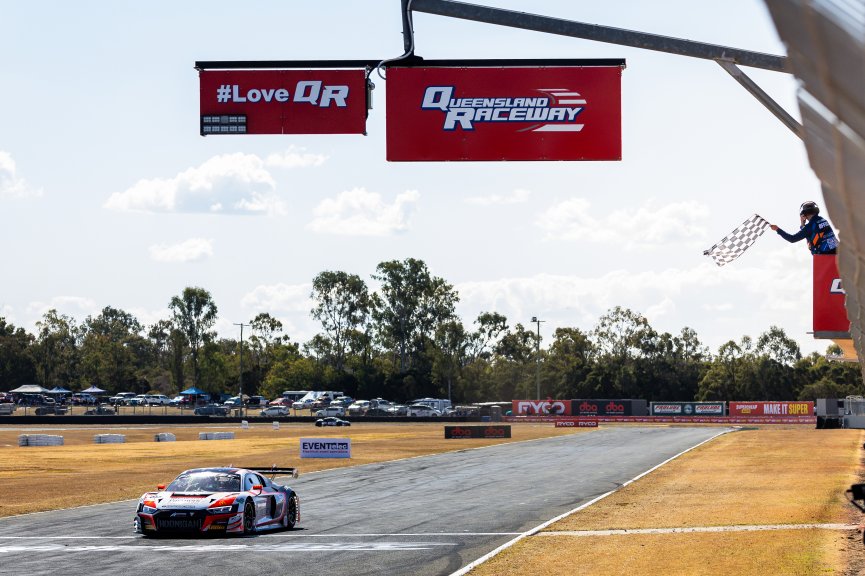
(283, 102)
(504, 113)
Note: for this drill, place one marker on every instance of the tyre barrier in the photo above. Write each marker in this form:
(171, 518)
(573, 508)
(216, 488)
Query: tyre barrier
(39, 440)
(216, 435)
(109, 439)
(275, 425)
(164, 437)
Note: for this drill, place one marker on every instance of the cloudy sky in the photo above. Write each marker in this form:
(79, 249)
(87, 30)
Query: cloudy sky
(109, 196)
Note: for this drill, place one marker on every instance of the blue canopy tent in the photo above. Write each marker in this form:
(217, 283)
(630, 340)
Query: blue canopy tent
(196, 392)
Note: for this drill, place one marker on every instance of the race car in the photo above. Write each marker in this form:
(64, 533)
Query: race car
(232, 500)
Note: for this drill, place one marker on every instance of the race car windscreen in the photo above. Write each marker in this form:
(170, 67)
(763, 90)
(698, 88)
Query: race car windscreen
(205, 482)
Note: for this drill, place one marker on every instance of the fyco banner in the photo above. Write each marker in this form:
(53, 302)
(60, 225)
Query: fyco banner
(504, 113)
(541, 407)
(283, 102)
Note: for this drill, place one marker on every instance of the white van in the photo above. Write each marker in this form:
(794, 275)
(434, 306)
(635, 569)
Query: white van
(438, 404)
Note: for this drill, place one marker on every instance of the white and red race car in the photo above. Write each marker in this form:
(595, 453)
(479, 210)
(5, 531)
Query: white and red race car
(229, 500)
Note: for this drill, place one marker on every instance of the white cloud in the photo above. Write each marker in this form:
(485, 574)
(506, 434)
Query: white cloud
(644, 226)
(295, 157)
(358, 212)
(187, 251)
(699, 297)
(227, 184)
(279, 298)
(78, 307)
(11, 185)
(518, 196)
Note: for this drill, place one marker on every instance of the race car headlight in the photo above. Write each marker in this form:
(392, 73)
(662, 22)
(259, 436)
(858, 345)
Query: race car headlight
(221, 510)
(148, 509)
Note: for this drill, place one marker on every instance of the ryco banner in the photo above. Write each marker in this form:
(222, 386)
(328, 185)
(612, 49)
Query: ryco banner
(490, 431)
(772, 408)
(504, 113)
(829, 312)
(283, 102)
(325, 447)
(541, 407)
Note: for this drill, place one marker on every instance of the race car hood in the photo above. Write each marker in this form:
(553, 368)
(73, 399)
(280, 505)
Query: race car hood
(189, 501)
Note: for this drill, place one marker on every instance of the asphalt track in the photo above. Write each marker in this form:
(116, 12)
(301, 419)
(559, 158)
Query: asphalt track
(428, 515)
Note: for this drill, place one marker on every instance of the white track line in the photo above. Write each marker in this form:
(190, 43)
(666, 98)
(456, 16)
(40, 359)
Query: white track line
(755, 528)
(538, 528)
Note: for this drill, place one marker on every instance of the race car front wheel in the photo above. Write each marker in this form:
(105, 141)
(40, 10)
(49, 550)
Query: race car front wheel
(290, 518)
(249, 517)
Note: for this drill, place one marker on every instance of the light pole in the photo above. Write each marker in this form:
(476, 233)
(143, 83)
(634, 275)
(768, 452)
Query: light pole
(538, 356)
(240, 372)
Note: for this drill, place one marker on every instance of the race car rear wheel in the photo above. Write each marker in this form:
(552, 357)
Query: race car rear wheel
(249, 517)
(290, 518)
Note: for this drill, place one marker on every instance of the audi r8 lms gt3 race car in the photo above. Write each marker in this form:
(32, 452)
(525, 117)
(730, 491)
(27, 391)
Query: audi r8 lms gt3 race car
(219, 500)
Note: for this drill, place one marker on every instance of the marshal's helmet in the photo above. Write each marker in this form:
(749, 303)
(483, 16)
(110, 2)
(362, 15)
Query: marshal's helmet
(809, 208)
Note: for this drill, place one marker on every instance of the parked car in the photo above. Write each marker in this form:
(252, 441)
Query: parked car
(358, 408)
(138, 400)
(101, 410)
(303, 404)
(212, 410)
(377, 412)
(276, 411)
(322, 402)
(157, 400)
(422, 410)
(331, 411)
(398, 410)
(256, 401)
(83, 399)
(281, 401)
(346, 400)
(121, 398)
(7, 408)
(332, 421)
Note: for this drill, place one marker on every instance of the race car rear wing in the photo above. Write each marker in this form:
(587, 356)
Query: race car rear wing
(273, 471)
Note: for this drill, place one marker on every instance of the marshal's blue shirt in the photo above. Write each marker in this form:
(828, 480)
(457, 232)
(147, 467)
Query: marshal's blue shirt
(819, 234)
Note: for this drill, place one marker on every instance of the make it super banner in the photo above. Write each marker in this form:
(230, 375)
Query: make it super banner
(504, 113)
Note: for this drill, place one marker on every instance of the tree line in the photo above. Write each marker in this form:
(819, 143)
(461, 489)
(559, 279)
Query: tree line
(405, 341)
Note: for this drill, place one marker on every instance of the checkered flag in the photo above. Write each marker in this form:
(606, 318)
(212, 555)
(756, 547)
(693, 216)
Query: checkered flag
(736, 242)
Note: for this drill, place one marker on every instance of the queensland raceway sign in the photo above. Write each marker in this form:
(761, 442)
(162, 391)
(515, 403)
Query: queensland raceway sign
(325, 447)
(504, 113)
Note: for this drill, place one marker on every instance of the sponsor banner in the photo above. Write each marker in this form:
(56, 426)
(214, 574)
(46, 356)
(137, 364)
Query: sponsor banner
(492, 431)
(283, 102)
(504, 113)
(829, 312)
(607, 407)
(771, 408)
(810, 420)
(583, 423)
(535, 407)
(325, 447)
(687, 409)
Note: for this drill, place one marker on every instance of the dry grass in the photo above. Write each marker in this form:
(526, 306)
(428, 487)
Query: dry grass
(767, 476)
(781, 553)
(81, 472)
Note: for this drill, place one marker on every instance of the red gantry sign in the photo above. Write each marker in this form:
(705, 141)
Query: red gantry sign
(504, 113)
(830, 315)
(283, 102)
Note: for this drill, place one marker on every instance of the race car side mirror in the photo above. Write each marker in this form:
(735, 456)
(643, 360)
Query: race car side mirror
(257, 487)
(857, 491)
(160, 486)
